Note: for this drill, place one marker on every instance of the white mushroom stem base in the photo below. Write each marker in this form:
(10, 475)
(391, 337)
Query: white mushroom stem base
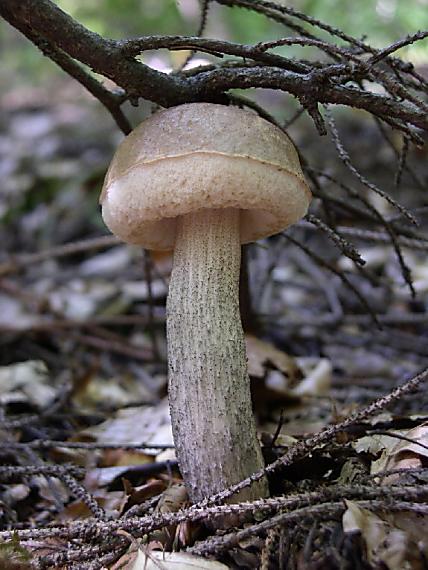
(209, 389)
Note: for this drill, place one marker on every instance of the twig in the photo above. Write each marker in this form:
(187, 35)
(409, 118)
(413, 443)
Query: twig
(46, 22)
(347, 161)
(93, 530)
(323, 263)
(319, 512)
(49, 324)
(205, 5)
(124, 348)
(381, 237)
(401, 437)
(90, 446)
(345, 247)
(408, 40)
(214, 47)
(13, 472)
(326, 320)
(24, 260)
(80, 493)
(269, 8)
(110, 99)
(391, 145)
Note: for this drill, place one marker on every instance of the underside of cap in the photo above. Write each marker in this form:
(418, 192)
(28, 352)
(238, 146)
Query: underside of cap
(187, 159)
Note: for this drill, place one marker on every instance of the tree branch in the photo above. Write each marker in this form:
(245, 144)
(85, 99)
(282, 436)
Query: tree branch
(44, 18)
(311, 86)
(67, 42)
(111, 100)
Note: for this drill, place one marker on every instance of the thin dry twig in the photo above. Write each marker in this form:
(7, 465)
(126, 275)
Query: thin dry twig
(345, 246)
(331, 511)
(90, 446)
(24, 260)
(408, 40)
(94, 530)
(340, 274)
(89, 530)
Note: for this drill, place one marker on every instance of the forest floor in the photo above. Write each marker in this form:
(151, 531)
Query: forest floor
(88, 473)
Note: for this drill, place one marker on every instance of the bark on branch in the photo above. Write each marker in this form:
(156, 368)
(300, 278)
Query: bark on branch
(337, 79)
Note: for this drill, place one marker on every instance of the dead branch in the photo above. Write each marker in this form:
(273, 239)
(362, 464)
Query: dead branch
(61, 38)
(92, 530)
(15, 264)
(331, 511)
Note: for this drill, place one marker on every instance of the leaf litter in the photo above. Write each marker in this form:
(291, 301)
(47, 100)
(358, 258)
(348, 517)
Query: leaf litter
(84, 420)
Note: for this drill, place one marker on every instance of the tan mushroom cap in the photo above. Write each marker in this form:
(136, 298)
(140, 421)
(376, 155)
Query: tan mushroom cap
(199, 156)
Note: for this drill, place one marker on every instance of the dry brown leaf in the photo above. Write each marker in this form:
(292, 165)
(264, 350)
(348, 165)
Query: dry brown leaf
(141, 424)
(401, 454)
(285, 378)
(261, 353)
(124, 458)
(138, 495)
(419, 444)
(373, 444)
(74, 511)
(173, 499)
(392, 541)
(94, 390)
(384, 544)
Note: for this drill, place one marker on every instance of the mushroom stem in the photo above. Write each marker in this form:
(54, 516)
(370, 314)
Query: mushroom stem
(209, 388)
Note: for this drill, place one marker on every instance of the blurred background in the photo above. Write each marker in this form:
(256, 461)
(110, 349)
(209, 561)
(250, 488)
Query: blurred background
(56, 141)
(82, 341)
(380, 22)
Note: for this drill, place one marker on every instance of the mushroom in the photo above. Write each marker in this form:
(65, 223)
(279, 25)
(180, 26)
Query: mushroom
(203, 179)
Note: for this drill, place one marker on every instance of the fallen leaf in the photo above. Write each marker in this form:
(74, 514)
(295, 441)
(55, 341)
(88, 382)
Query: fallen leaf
(26, 381)
(388, 545)
(373, 444)
(351, 471)
(174, 561)
(172, 500)
(103, 476)
(260, 354)
(317, 374)
(383, 543)
(141, 424)
(138, 495)
(405, 454)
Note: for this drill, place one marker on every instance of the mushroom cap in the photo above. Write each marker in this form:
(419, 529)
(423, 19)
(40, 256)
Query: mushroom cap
(199, 156)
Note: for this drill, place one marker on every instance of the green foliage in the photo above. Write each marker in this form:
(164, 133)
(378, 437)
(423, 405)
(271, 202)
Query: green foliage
(380, 21)
(13, 555)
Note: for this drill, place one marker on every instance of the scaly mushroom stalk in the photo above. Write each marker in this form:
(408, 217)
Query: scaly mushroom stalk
(202, 179)
(209, 387)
